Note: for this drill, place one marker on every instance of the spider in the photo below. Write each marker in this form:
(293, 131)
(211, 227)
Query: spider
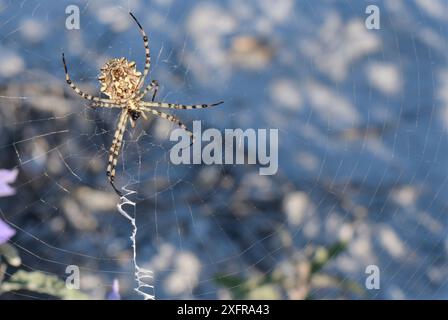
(121, 83)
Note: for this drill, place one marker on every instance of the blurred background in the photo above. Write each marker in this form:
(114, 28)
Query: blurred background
(362, 117)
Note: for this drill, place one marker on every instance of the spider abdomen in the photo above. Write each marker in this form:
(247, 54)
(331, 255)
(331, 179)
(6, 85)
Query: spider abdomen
(119, 78)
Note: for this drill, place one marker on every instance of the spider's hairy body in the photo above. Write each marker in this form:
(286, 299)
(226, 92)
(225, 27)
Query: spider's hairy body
(121, 82)
(119, 79)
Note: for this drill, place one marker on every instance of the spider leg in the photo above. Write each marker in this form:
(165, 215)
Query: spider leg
(178, 106)
(78, 91)
(104, 105)
(115, 149)
(146, 44)
(154, 85)
(171, 118)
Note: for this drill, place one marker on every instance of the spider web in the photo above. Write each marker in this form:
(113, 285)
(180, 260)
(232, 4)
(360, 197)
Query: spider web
(362, 116)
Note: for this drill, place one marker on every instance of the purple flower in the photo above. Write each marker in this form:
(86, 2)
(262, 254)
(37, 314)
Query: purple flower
(6, 232)
(114, 294)
(7, 177)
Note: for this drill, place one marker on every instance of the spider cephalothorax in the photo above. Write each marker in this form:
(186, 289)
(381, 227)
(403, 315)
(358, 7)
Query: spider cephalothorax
(135, 115)
(119, 79)
(121, 82)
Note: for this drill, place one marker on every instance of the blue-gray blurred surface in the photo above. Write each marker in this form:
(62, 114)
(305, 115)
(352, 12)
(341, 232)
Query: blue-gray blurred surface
(363, 151)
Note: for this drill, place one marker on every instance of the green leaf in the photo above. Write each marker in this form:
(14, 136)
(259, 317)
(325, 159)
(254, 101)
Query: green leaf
(11, 255)
(264, 292)
(237, 286)
(40, 282)
(228, 281)
(2, 273)
(324, 255)
(344, 284)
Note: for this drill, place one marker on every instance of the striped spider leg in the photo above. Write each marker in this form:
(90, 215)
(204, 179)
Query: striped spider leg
(154, 85)
(148, 107)
(83, 94)
(114, 150)
(147, 53)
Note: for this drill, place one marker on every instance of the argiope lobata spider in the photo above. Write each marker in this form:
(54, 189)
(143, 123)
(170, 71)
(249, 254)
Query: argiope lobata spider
(121, 82)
